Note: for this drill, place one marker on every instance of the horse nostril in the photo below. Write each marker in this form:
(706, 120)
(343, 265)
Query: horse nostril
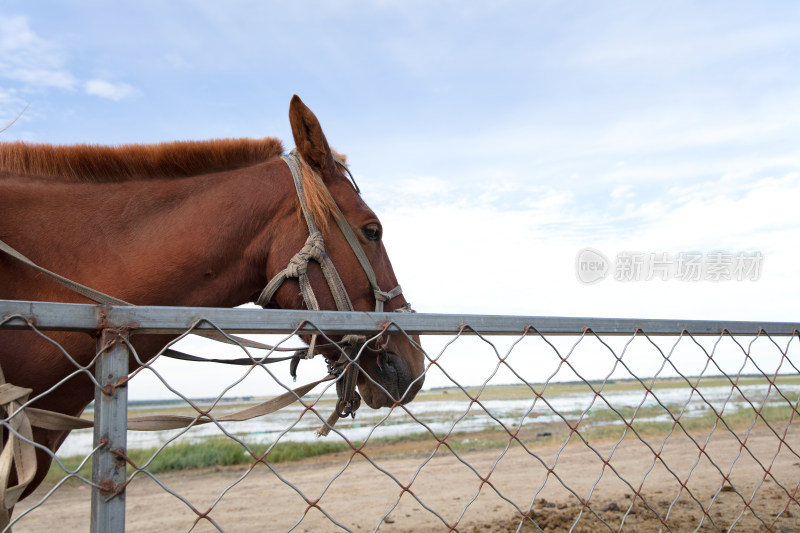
(387, 366)
(391, 376)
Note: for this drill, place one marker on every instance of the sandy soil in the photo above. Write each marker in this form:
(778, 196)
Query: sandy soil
(476, 491)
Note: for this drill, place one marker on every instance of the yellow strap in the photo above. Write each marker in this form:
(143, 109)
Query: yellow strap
(17, 455)
(59, 421)
(162, 422)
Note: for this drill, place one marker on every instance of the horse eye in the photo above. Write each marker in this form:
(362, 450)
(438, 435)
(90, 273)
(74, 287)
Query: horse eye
(372, 232)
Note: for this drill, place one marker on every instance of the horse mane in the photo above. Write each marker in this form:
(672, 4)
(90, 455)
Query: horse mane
(320, 203)
(86, 163)
(130, 162)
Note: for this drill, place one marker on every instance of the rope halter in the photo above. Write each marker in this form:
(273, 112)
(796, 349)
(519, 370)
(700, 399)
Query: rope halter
(314, 249)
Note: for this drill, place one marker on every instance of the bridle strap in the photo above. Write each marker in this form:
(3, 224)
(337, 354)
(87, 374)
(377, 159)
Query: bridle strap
(314, 249)
(380, 296)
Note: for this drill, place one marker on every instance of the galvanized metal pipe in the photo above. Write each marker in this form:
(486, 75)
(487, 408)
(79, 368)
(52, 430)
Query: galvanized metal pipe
(176, 320)
(110, 433)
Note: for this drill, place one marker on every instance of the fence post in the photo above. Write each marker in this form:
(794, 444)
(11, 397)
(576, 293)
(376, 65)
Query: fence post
(110, 432)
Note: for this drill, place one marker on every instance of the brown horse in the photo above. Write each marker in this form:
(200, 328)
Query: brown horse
(185, 224)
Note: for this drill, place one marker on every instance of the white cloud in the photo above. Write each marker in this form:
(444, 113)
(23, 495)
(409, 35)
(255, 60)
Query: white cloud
(111, 91)
(425, 186)
(11, 106)
(664, 49)
(35, 63)
(25, 57)
(544, 200)
(622, 192)
(465, 257)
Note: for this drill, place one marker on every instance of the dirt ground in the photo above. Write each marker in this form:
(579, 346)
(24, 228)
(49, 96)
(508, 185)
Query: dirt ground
(476, 491)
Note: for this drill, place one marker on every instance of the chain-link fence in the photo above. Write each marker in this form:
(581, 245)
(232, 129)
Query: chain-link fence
(524, 424)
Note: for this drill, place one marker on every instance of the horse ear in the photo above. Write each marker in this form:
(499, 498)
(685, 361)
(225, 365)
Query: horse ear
(308, 136)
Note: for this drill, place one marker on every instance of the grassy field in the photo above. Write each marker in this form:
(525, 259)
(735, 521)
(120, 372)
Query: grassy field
(215, 451)
(598, 424)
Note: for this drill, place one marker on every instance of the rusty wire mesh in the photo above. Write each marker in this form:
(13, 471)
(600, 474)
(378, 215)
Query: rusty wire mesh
(533, 432)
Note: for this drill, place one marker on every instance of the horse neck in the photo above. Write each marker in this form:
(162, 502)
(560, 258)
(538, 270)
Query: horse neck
(200, 241)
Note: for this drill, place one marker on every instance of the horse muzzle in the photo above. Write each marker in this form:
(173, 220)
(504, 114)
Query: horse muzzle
(390, 378)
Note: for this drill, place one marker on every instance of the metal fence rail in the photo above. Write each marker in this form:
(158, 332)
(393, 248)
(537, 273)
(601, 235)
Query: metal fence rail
(577, 424)
(149, 319)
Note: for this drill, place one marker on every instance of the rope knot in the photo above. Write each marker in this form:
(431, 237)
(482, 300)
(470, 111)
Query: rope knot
(385, 296)
(314, 248)
(17, 455)
(382, 296)
(11, 393)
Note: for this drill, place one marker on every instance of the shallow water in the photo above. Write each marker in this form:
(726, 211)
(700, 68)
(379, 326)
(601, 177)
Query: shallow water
(294, 425)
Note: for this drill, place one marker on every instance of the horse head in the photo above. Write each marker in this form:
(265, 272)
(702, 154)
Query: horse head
(351, 269)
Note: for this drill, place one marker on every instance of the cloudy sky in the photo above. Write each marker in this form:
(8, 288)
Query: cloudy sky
(495, 140)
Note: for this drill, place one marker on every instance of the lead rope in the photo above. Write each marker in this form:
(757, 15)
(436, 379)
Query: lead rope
(103, 298)
(348, 400)
(17, 455)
